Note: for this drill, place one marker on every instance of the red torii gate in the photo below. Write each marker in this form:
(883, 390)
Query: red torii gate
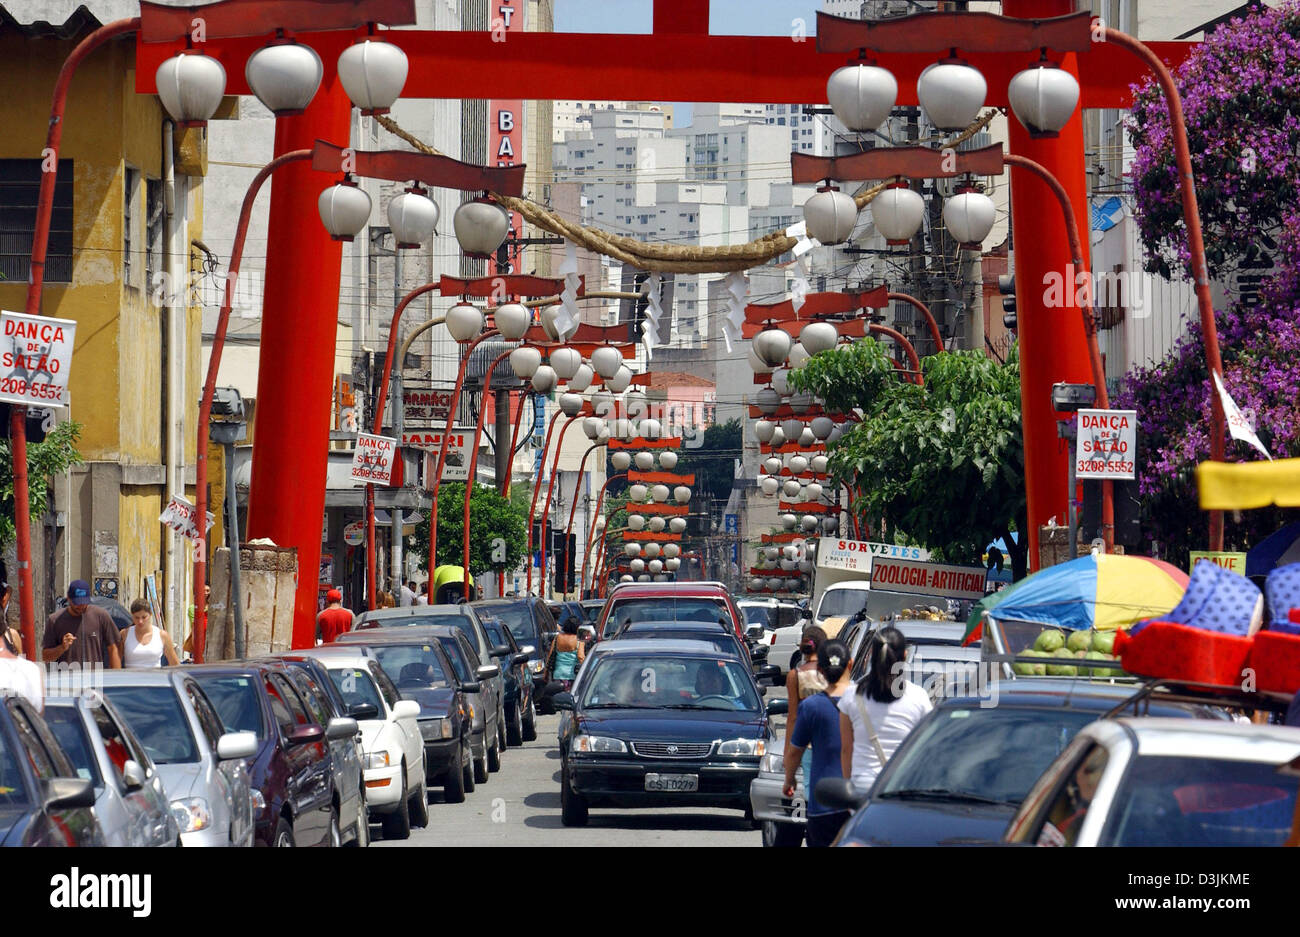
(303, 265)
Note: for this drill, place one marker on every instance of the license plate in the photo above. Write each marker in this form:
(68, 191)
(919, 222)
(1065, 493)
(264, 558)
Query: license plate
(672, 782)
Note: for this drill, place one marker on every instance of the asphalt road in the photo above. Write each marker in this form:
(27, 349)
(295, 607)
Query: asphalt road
(520, 806)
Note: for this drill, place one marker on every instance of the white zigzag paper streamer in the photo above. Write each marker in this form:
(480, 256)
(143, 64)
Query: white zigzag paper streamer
(737, 286)
(800, 288)
(653, 313)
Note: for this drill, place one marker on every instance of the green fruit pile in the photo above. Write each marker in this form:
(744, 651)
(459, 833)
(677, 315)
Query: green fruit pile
(1051, 644)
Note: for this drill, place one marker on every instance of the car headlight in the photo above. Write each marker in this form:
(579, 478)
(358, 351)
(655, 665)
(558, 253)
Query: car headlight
(750, 747)
(772, 763)
(192, 814)
(435, 728)
(259, 801)
(537, 666)
(377, 760)
(596, 744)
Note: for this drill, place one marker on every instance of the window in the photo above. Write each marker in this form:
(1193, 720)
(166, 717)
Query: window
(292, 700)
(154, 228)
(20, 185)
(391, 696)
(155, 716)
(356, 688)
(65, 722)
(318, 703)
(236, 702)
(280, 711)
(42, 764)
(1070, 805)
(130, 212)
(118, 744)
(208, 717)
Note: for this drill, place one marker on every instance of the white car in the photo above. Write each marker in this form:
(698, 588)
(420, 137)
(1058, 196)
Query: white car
(1165, 782)
(392, 748)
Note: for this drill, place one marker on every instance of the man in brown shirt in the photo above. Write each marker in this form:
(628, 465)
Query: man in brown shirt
(81, 633)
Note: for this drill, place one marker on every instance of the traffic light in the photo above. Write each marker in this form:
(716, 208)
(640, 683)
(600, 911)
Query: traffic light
(563, 549)
(1007, 287)
(636, 334)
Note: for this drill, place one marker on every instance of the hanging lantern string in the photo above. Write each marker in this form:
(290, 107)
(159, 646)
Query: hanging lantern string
(663, 258)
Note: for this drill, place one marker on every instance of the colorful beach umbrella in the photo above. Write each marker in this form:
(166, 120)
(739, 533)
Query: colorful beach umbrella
(1102, 591)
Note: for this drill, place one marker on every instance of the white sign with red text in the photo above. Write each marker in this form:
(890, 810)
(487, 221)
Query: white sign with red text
(372, 460)
(179, 516)
(1107, 445)
(35, 358)
(954, 582)
(459, 444)
(855, 555)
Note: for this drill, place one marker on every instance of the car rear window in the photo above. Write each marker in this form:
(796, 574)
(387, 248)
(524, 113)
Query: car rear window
(666, 608)
(518, 619)
(155, 716)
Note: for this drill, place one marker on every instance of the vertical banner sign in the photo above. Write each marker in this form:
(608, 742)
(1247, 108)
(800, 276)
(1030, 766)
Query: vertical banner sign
(1107, 445)
(35, 355)
(372, 460)
(506, 118)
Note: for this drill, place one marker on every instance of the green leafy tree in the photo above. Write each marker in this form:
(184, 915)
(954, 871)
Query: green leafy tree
(941, 464)
(52, 456)
(498, 535)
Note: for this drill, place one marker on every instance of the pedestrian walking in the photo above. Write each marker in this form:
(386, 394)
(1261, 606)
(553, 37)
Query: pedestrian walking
(81, 633)
(407, 594)
(879, 714)
(819, 730)
(566, 655)
(10, 637)
(422, 594)
(803, 680)
(334, 620)
(144, 644)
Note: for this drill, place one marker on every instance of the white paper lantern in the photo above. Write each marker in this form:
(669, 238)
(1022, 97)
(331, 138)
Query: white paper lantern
(1043, 98)
(809, 522)
(818, 337)
(621, 379)
(512, 321)
(821, 426)
(566, 362)
(620, 460)
(544, 379)
(969, 217)
(798, 356)
(190, 86)
(373, 73)
(757, 364)
(861, 95)
(813, 491)
(637, 565)
(412, 217)
(771, 346)
(632, 549)
(677, 524)
(673, 564)
(480, 227)
(757, 583)
(790, 488)
(952, 93)
(655, 566)
(778, 437)
(635, 404)
(806, 438)
(660, 493)
(638, 493)
(798, 464)
(789, 565)
(581, 379)
(772, 465)
(800, 403)
(830, 216)
(897, 213)
(668, 460)
(781, 381)
(525, 362)
(657, 524)
(606, 361)
(769, 485)
(776, 584)
(792, 428)
(763, 430)
(836, 433)
(602, 403)
(284, 77)
(819, 464)
(645, 461)
(570, 404)
(465, 322)
(592, 425)
(344, 210)
(789, 521)
(651, 549)
(768, 402)
(651, 429)
(645, 578)
(681, 494)
(672, 550)
(830, 525)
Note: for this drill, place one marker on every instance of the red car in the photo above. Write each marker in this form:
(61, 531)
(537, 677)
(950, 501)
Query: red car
(668, 601)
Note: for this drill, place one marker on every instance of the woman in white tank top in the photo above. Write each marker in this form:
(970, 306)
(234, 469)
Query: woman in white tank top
(143, 644)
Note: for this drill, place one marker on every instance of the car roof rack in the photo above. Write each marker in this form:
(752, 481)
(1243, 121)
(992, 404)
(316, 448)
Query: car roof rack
(1206, 694)
(664, 585)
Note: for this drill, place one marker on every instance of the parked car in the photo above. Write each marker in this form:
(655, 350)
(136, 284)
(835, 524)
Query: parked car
(563, 611)
(393, 750)
(465, 617)
(661, 723)
(935, 657)
(719, 635)
(291, 772)
(43, 801)
(966, 767)
(347, 755)
(520, 695)
(422, 671)
(130, 800)
(202, 765)
(532, 624)
(704, 602)
(481, 683)
(1165, 782)
(591, 609)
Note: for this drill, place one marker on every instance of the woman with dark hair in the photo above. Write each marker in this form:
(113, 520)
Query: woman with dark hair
(563, 660)
(876, 718)
(803, 680)
(819, 728)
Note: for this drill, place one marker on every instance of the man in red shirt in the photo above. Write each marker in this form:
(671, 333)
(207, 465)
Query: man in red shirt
(334, 620)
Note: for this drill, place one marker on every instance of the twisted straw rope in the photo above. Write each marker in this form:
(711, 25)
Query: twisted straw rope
(662, 258)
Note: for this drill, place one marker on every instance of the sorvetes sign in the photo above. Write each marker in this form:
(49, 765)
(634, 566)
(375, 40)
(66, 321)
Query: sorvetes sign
(35, 357)
(855, 555)
(956, 582)
(372, 459)
(1107, 444)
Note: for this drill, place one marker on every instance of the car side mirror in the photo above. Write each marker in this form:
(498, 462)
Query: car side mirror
(363, 711)
(563, 701)
(769, 672)
(340, 728)
(406, 709)
(527, 649)
(520, 658)
(778, 707)
(472, 687)
(488, 671)
(132, 775)
(501, 650)
(806, 614)
(305, 734)
(754, 630)
(839, 793)
(234, 745)
(69, 793)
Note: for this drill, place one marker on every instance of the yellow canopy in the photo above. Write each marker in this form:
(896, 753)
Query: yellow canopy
(1235, 486)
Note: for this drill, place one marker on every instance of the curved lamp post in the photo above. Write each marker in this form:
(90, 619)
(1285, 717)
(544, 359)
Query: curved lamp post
(924, 310)
(591, 534)
(473, 458)
(550, 487)
(903, 343)
(573, 508)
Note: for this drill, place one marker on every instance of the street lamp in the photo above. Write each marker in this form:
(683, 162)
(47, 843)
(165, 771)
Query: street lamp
(1043, 98)
(480, 226)
(817, 337)
(412, 217)
(373, 73)
(284, 76)
(898, 212)
(952, 92)
(190, 86)
(969, 216)
(830, 217)
(861, 95)
(344, 210)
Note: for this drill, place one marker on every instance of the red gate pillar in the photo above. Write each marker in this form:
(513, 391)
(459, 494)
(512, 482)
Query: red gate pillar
(295, 367)
(1052, 342)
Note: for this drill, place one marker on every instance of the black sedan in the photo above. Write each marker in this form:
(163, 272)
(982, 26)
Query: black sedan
(720, 636)
(42, 800)
(966, 767)
(661, 723)
(521, 706)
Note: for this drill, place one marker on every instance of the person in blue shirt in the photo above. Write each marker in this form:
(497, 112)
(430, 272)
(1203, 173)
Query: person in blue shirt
(818, 727)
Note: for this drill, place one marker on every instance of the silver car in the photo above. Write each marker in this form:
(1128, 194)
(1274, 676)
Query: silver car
(201, 765)
(130, 800)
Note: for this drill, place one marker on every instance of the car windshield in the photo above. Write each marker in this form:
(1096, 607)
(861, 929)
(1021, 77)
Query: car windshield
(411, 666)
(842, 603)
(652, 681)
(236, 702)
(13, 785)
(154, 713)
(757, 615)
(356, 688)
(518, 619)
(1175, 801)
(995, 753)
(65, 722)
(665, 608)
